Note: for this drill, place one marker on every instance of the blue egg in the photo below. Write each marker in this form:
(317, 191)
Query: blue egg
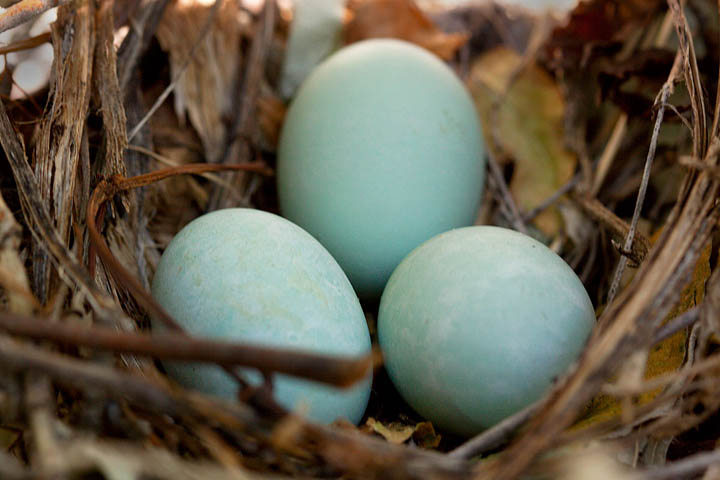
(247, 275)
(476, 323)
(381, 150)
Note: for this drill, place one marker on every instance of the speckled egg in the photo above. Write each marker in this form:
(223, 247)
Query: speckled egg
(381, 149)
(476, 323)
(248, 275)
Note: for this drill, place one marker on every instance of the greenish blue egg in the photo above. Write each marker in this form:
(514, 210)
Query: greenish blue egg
(476, 323)
(251, 276)
(381, 149)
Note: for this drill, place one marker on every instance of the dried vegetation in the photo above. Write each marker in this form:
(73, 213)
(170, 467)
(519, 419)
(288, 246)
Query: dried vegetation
(604, 139)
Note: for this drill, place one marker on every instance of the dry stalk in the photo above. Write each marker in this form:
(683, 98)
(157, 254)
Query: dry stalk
(627, 246)
(24, 11)
(57, 156)
(329, 369)
(685, 468)
(26, 44)
(144, 24)
(494, 436)
(617, 226)
(105, 83)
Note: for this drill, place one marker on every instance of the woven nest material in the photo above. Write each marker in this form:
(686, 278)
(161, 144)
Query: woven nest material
(158, 111)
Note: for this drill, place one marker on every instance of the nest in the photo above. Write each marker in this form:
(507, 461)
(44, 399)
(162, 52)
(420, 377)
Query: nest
(159, 111)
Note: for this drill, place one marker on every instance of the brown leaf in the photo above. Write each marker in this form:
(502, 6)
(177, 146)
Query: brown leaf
(603, 21)
(522, 111)
(399, 19)
(205, 89)
(425, 435)
(393, 432)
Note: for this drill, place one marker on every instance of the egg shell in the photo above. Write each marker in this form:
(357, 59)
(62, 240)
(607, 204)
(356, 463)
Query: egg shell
(476, 323)
(251, 276)
(381, 149)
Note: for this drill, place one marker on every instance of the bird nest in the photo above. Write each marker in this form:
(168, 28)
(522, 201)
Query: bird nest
(603, 133)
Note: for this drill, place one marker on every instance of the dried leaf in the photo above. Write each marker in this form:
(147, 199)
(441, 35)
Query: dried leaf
(425, 435)
(523, 112)
(602, 21)
(400, 19)
(394, 432)
(205, 90)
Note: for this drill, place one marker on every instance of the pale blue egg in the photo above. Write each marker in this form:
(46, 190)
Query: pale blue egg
(248, 275)
(476, 323)
(381, 150)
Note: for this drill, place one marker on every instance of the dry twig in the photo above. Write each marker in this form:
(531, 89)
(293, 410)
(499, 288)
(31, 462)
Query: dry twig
(24, 11)
(330, 369)
(660, 102)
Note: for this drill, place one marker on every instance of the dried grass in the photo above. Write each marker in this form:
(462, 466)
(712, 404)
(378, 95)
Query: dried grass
(84, 216)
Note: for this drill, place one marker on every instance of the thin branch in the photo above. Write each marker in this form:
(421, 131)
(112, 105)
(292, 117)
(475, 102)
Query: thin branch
(627, 246)
(26, 44)
(678, 323)
(494, 436)
(506, 197)
(170, 163)
(617, 226)
(690, 162)
(330, 369)
(685, 468)
(25, 11)
(139, 390)
(550, 201)
(107, 189)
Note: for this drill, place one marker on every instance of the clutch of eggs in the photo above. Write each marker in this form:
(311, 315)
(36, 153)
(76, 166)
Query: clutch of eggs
(381, 151)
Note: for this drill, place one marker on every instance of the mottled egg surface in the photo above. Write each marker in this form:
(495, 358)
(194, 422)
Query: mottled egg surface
(251, 276)
(381, 149)
(476, 324)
